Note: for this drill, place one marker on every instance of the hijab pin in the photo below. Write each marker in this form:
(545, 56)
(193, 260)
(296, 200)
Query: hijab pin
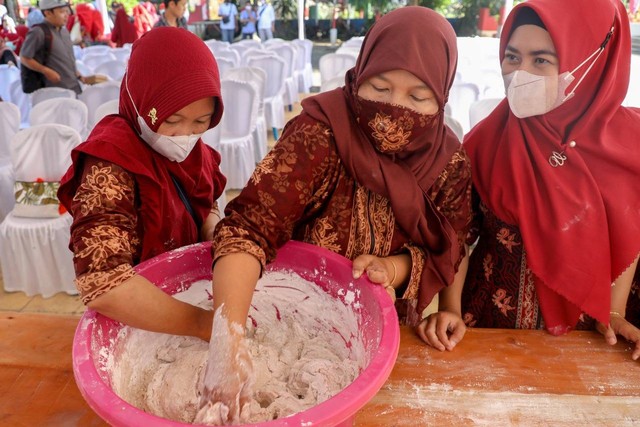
(153, 114)
(557, 159)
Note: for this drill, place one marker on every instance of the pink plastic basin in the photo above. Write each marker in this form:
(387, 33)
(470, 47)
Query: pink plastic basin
(175, 271)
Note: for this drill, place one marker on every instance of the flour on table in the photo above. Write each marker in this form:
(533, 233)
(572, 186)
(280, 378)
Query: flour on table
(305, 347)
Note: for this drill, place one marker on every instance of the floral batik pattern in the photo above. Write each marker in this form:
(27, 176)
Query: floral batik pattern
(105, 232)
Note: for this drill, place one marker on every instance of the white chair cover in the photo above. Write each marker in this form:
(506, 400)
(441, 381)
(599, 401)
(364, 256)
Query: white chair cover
(109, 107)
(461, 96)
(229, 55)
(121, 54)
(49, 93)
(212, 139)
(633, 93)
(481, 109)
(307, 79)
(9, 126)
(97, 49)
(346, 50)
(252, 53)
(332, 83)
(258, 79)
(238, 123)
(288, 54)
(335, 64)
(63, 111)
(114, 69)
(274, 69)
(92, 60)
(83, 69)
(224, 66)
(98, 94)
(455, 126)
(8, 75)
(34, 252)
(77, 51)
(23, 101)
(250, 43)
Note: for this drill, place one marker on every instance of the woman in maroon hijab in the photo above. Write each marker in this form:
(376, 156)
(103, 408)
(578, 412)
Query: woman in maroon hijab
(124, 186)
(369, 171)
(556, 168)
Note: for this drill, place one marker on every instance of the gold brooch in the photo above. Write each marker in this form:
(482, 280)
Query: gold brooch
(153, 114)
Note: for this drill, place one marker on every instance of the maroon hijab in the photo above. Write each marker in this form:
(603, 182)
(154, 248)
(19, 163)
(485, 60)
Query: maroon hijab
(580, 222)
(422, 42)
(169, 68)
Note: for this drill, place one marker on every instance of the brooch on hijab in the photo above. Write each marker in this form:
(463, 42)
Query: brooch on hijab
(557, 159)
(153, 114)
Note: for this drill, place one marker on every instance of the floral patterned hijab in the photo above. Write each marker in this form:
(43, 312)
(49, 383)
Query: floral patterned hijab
(422, 42)
(580, 221)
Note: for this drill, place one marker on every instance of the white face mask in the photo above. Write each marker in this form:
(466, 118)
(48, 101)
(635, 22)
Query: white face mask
(175, 148)
(531, 95)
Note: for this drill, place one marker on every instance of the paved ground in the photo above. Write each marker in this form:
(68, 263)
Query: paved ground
(635, 45)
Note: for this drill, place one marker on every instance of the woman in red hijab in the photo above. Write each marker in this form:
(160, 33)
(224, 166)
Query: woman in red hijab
(123, 188)
(369, 171)
(556, 170)
(124, 30)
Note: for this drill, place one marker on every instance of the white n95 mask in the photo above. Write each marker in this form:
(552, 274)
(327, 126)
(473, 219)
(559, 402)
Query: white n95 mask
(531, 95)
(175, 148)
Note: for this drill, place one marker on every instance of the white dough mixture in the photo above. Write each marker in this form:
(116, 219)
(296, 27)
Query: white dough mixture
(305, 347)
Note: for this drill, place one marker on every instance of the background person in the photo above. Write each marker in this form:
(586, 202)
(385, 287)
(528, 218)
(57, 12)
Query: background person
(228, 16)
(248, 19)
(266, 20)
(60, 68)
(173, 15)
(555, 170)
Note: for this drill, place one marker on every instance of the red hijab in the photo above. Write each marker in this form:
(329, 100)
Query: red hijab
(169, 68)
(422, 42)
(123, 29)
(580, 222)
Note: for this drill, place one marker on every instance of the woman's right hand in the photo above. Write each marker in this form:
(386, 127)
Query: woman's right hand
(442, 330)
(228, 377)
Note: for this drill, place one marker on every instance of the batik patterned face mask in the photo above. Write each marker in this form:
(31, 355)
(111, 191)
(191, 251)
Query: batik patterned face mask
(391, 127)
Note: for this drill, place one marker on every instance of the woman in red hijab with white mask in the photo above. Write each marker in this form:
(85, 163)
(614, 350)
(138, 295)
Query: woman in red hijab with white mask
(144, 183)
(556, 168)
(369, 171)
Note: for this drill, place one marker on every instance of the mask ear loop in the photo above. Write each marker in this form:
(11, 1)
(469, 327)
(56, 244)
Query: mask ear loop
(126, 86)
(597, 52)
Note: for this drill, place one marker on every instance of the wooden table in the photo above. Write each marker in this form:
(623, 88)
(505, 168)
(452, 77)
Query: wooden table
(494, 377)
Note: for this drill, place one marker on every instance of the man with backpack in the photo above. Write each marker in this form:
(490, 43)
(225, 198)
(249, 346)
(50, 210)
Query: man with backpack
(47, 53)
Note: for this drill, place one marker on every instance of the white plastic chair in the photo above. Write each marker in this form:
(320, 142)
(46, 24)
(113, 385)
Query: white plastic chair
(455, 126)
(224, 66)
(335, 64)
(251, 43)
(258, 78)
(332, 83)
(92, 60)
(288, 54)
(49, 93)
(8, 75)
(481, 109)
(34, 252)
(461, 96)
(238, 123)
(9, 126)
(98, 94)
(23, 101)
(83, 69)
(274, 69)
(103, 110)
(212, 139)
(121, 54)
(96, 49)
(307, 79)
(62, 111)
(113, 69)
(77, 52)
(229, 55)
